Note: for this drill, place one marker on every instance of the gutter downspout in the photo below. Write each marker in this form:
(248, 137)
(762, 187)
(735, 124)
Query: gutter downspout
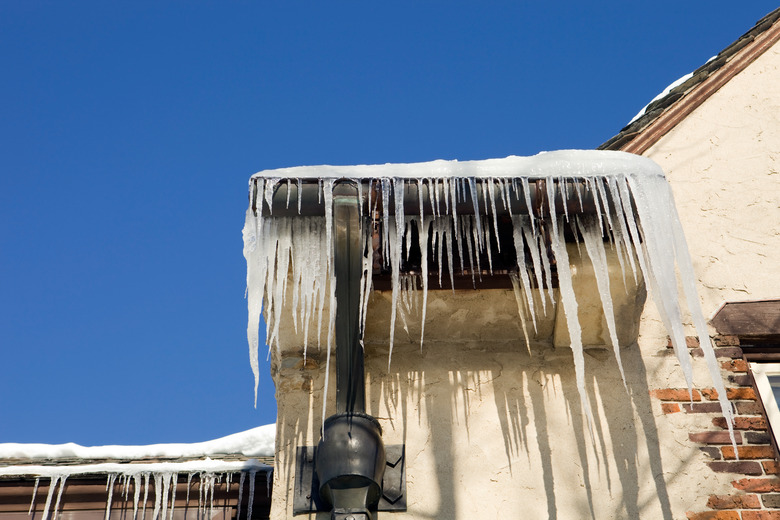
(350, 458)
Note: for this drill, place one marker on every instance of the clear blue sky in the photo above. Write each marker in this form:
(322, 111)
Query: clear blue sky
(128, 131)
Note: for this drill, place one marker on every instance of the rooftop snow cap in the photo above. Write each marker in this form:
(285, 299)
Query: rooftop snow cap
(453, 210)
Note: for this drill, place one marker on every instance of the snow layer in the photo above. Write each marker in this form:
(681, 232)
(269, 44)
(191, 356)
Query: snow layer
(543, 165)
(634, 213)
(257, 442)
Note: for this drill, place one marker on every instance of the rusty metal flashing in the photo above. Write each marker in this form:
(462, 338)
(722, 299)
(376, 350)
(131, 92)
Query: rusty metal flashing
(664, 114)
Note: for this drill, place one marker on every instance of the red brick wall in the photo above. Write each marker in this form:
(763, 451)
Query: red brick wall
(756, 494)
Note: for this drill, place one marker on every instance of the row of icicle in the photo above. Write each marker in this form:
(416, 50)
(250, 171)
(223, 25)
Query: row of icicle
(164, 484)
(634, 214)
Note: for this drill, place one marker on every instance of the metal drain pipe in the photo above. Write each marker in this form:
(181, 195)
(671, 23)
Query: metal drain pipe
(350, 458)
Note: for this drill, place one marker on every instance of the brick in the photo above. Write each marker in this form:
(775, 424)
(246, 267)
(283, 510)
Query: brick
(721, 437)
(748, 467)
(748, 452)
(757, 437)
(675, 394)
(761, 515)
(726, 341)
(735, 365)
(742, 423)
(740, 380)
(749, 408)
(733, 502)
(741, 393)
(690, 342)
(670, 408)
(712, 452)
(701, 407)
(728, 352)
(713, 515)
(771, 467)
(721, 352)
(757, 485)
(709, 393)
(771, 500)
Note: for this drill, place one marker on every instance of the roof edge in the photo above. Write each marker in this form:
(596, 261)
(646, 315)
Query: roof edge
(664, 114)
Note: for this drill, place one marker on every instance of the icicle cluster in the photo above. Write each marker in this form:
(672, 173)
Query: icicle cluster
(633, 212)
(148, 486)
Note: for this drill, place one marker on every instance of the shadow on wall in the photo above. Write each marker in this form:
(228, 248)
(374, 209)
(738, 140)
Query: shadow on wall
(496, 429)
(505, 432)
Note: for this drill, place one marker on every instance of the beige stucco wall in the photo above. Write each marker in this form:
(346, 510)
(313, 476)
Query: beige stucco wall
(495, 429)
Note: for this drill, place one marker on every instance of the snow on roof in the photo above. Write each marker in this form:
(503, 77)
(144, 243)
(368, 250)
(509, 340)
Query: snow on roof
(562, 163)
(257, 442)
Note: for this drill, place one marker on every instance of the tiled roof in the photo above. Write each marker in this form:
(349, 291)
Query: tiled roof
(713, 74)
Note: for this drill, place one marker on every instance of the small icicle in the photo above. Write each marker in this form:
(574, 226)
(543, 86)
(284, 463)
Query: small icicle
(492, 195)
(157, 496)
(59, 495)
(34, 493)
(146, 495)
(422, 234)
(166, 482)
(395, 275)
(49, 496)
(174, 485)
(251, 494)
(270, 185)
(136, 495)
(300, 195)
(289, 187)
(475, 201)
(240, 494)
(110, 487)
(518, 224)
(519, 300)
(268, 481)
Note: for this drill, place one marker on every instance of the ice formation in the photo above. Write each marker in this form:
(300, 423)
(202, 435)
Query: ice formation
(153, 484)
(630, 207)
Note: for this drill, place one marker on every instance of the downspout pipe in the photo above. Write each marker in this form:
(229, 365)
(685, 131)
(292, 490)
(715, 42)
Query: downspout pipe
(350, 458)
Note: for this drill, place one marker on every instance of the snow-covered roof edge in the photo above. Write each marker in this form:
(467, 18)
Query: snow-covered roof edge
(728, 62)
(561, 163)
(257, 442)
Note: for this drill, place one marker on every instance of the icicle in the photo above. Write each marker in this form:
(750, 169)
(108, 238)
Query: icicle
(270, 185)
(268, 480)
(136, 495)
(146, 495)
(519, 300)
(300, 194)
(166, 482)
(59, 496)
(157, 496)
(289, 187)
(569, 301)
(251, 494)
(475, 200)
(492, 195)
(187, 495)
(53, 484)
(240, 494)
(598, 257)
(34, 493)
(422, 234)
(174, 485)
(519, 224)
(395, 275)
